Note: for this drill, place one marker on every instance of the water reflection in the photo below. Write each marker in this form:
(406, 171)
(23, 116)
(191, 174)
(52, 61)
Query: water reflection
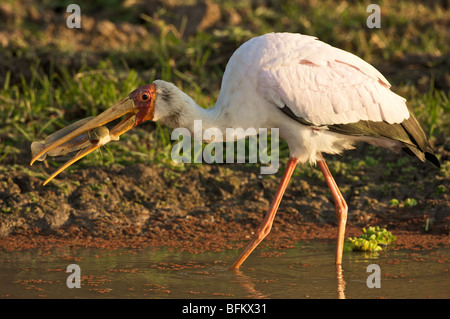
(340, 282)
(305, 271)
(248, 284)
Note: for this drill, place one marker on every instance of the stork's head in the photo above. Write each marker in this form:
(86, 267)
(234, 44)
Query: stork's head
(138, 107)
(143, 100)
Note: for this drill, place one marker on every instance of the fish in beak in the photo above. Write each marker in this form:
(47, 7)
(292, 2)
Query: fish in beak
(75, 144)
(91, 133)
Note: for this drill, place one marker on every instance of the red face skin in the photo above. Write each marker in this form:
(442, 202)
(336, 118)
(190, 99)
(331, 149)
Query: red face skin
(144, 100)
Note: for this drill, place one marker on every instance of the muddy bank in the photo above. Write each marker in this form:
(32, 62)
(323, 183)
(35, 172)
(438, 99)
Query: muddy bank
(214, 207)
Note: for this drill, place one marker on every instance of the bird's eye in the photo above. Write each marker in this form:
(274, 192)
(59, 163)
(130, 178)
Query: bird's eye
(145, 96)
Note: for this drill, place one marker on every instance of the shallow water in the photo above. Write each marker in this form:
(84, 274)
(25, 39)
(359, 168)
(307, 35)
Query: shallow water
(304, 271)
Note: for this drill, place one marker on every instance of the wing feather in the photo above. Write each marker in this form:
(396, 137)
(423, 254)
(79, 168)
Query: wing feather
(325, 85)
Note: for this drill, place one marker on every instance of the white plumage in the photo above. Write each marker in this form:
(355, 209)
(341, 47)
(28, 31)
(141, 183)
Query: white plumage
(319, 83)
(322, 84)
(334, 99)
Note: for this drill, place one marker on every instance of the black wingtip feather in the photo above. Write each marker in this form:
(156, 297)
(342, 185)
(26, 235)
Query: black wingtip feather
(433, 159)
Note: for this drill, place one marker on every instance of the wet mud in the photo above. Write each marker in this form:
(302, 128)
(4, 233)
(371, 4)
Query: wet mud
(215, 207)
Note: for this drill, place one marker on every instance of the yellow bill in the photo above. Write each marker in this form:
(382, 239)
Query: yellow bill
(89, 134)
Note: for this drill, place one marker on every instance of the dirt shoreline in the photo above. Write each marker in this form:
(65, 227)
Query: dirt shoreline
(205, 207)
(202, 208)
(231, 236)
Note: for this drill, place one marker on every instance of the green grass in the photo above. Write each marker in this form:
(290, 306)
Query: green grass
(59, 82)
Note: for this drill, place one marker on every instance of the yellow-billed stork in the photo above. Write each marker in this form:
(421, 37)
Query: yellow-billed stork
(322, 100)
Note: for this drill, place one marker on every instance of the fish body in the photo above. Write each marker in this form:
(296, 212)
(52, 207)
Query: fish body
(93, 137)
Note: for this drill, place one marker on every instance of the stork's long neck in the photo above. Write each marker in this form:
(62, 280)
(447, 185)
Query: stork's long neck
(178, 110)
(195, 115)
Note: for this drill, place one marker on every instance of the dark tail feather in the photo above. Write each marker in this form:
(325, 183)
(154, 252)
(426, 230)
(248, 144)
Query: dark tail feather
(420, 145)
(427, 155)
(433, 159)
(409, 133)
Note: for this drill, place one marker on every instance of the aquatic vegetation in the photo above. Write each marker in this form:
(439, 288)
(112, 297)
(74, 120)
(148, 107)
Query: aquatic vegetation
(370, 240)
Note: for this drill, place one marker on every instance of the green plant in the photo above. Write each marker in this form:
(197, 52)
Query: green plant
(370, 240)
(410, 202)
(394, 202)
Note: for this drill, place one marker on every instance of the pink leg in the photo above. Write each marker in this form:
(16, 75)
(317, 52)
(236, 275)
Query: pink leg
(341, 209)
(264, 229)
